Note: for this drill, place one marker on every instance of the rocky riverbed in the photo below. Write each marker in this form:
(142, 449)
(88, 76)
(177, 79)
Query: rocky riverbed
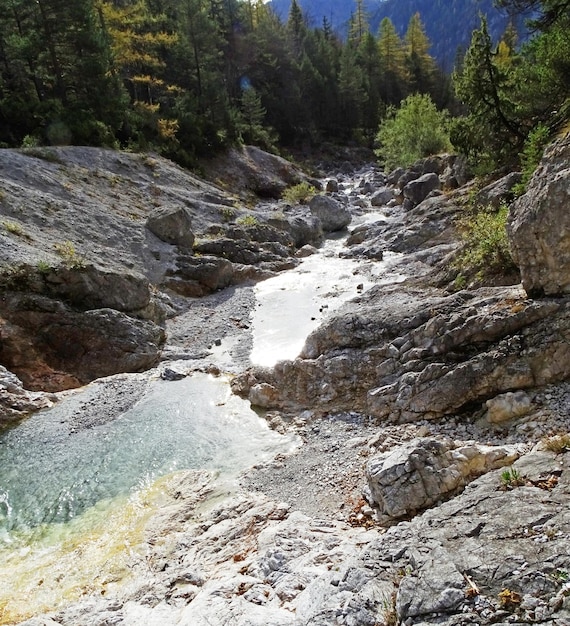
(432, 483)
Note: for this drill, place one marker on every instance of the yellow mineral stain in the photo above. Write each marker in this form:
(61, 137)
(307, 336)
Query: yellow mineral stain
(91, 554)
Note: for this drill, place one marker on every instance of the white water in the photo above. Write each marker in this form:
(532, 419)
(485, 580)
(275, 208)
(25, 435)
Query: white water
(293, 304)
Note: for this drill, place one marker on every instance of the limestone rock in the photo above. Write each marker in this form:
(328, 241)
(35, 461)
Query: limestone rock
(250, 168)
(15, 401)
(52, 347)
(507, 406)
(424, 471)
(263, 395)
(498, 191)
(415, 354)
(199, 275)
(333, 215)
(172, 225)
(539, 225)
(417, 190)
(86, 287)
(301, 225)
(382, 196)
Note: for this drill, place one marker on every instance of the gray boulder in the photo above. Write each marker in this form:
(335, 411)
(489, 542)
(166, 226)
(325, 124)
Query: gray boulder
(200, 275)
(394, 176)
(539, 225)
(172, 225)
(332, 214)
(382, 196)
(423, 471)
(417, 190)
(303, 227)
(498, 191)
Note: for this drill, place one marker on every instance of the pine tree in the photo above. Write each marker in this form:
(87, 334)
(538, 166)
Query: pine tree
(351, 93)
(486, 89)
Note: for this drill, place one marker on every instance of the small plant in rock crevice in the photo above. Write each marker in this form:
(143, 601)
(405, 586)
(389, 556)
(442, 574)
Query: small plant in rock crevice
(14, 228)
(509, 599)
(511, 478)
(247, 220)
(44, 267)
(558, 443)
(227, 213)
(71, 259)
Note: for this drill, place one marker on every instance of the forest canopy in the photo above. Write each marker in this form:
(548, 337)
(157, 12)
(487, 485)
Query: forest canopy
(190, 77)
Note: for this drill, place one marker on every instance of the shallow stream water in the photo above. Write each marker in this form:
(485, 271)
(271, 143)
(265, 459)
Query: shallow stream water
(75, 496)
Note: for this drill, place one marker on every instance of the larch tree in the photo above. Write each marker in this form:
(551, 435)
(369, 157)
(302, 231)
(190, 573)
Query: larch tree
(359, 24)
(393, 70)
(420, 64)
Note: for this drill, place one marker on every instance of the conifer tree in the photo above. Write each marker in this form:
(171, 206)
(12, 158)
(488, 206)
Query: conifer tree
(358, 26)
(420, 64)
(55, 65)
(368, 58)
(393, 71)
(486, 89)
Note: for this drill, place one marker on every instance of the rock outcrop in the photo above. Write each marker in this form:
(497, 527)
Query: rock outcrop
(255, 171)
(51, 346)
(93, 244)
(490, 555)
(17, 402)
(406, 354)
(539, 225)
(424, 471)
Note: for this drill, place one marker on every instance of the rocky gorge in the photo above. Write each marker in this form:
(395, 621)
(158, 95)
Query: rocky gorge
(431, 485)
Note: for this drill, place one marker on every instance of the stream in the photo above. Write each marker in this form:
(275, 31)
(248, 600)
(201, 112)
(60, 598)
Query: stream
(74, 497)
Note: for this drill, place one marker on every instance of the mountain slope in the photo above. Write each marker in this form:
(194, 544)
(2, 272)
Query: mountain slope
(448, 23)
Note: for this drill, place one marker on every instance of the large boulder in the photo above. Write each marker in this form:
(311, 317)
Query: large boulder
(52, 347)
(423, 471)
(87, 287)
(499, 191)
(417, 190)
(197, 276)
(539, 225)
(303, 227)
(382, 196)
(172, 224)
(333, 215)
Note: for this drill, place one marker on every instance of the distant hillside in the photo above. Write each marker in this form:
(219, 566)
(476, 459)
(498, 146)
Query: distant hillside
(448, 23)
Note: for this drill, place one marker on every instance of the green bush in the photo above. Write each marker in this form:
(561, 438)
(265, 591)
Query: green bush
(415, 130)
(299, 194)
(531, 154)
(485, 245)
